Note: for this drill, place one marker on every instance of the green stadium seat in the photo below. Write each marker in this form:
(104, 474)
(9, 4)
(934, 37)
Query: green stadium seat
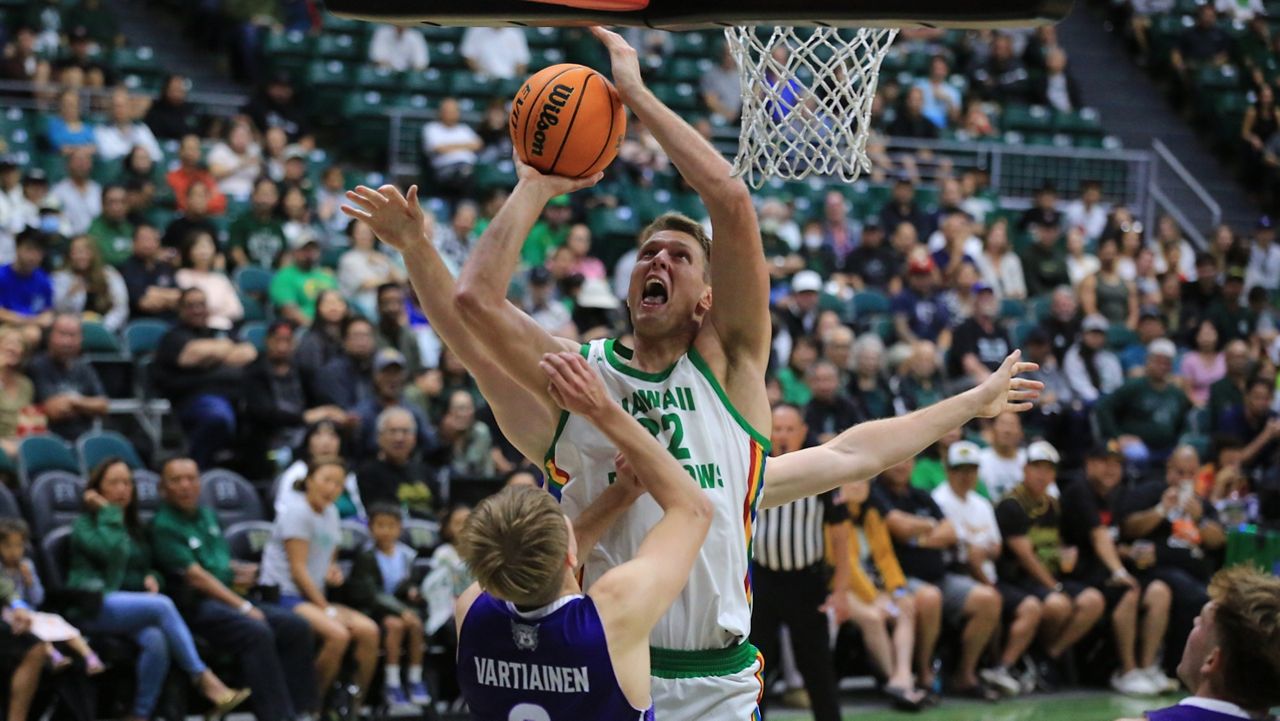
(339, 46)
(684, 69)
(870, 303)
(432, 81)
(544, 37)
(470, 85)
(442, 34)
(1026, 118)
(1012, 309)
(1120, 336)
(540, 58)
(97, 340)
(255, 332)
(692, 44)
(95, 447)
(38, 454)
(372, 77)
(142, 336)
(681, 97)
(446, 55)
(288, 52)
(614, 223)
(489, 176)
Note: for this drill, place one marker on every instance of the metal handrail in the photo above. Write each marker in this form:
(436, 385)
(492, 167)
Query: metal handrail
(1215, 210)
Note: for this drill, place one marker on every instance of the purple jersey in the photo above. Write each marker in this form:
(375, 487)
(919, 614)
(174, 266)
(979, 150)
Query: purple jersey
(1184, 712)
(544, 665)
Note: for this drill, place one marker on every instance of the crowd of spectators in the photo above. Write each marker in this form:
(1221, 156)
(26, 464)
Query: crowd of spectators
(291, 339)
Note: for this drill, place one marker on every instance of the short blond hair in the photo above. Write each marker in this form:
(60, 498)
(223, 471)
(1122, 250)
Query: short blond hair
(515, 543)
(1246, 623)
(682, 224)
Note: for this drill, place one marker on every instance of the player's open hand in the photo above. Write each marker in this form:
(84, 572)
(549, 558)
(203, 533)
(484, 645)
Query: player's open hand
(625, 61)
(551, 186)
(396, 219)
(574, 385)
(1005, 391)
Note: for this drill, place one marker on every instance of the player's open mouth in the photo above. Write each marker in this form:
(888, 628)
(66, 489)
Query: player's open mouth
(655, 294)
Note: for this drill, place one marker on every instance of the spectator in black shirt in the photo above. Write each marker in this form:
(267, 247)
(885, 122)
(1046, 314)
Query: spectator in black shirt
(1202, 44)
(919, 532)
(153, 293)
(394, 476)
(278, 407)
(1002, 77)
(869, 387)
(194, 218)
(1254, 423)
(801, 313)
(390, 371)
(1034, 557)
(323, 341)
(979, 345)
(1199, 294)
(393, 326)
(1087, 526)
(277, 107)
(873, 265)
(924, 540)
(829, 411)
(1043, 218)
(1185, 533)
(347, 381)
(910, 121)
(902, 208)
(66, 385)
(201, 372)
(171, 116)
(1062, 322)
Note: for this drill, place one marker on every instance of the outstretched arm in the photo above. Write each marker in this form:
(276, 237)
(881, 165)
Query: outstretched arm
(866, 449)
(526, 418)
(506, 333)
(632, 597)
(739, 275)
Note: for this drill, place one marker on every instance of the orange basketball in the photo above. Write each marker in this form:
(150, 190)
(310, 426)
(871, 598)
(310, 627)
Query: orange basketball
(567, 120)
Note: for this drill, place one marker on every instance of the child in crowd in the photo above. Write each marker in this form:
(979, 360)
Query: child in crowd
(383, 587)
(20, 587)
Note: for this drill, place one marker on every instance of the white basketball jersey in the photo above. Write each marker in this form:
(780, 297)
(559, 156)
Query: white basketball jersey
(685, 408)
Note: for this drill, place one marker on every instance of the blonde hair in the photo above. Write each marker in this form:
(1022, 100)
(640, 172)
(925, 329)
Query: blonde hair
(681, 224)
(515, 543)
(1246, 623)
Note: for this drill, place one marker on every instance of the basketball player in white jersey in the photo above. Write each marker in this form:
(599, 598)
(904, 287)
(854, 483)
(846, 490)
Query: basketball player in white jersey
(714, 682)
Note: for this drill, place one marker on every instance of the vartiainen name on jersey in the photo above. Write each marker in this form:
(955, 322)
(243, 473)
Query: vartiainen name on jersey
(532, 676)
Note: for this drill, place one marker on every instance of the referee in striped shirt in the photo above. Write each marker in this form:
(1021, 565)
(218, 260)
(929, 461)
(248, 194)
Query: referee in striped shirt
(790, 577)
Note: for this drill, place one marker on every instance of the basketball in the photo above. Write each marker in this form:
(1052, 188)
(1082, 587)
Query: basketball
(567, 120)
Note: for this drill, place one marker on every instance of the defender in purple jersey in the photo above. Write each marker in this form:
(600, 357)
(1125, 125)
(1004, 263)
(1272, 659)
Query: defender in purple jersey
(531, 645)
(1231, 662)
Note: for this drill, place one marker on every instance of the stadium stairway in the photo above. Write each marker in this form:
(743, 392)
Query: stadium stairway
(1133, 110)
(150, 24)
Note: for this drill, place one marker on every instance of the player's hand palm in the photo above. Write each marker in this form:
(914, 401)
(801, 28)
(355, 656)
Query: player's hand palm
(397, 220)
(1004, 391)
(552, 185)
(625, 61)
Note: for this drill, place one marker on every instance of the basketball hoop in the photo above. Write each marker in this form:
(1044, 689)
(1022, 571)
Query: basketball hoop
(807, 96)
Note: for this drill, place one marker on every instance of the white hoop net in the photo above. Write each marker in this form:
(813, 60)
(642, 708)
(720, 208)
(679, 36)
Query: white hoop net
(807, 96)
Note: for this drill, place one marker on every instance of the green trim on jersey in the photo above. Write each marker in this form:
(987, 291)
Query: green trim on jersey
(625, 369)
(669, 663)
(701, 364)
(551, 450)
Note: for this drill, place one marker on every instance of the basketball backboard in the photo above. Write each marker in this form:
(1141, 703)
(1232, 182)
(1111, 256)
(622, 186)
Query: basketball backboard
(683, 14)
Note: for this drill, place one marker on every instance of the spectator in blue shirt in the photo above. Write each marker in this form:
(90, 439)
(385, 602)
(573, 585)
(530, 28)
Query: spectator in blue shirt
(67, 132)
(26, 292)
(918, 311)
(942, 102)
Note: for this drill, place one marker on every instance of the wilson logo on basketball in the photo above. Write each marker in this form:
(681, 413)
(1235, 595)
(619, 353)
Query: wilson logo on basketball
(550, 115)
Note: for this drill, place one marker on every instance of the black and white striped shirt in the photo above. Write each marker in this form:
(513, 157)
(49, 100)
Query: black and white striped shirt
(790, 537)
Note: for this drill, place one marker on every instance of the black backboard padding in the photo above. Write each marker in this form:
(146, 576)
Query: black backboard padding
(682, 14)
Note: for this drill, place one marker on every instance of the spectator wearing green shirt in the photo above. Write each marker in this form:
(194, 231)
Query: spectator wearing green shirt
(257, 236)
(1229, 314)
(112, 230)
(295, 287)
(273, 646)
(110, 555)
(1148, 410)
(1228, 392)
(548, 233)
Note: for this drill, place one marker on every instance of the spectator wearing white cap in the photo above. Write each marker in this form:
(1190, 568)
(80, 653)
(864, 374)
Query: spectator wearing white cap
(1091, 369)
(978, 546)
(1035, 559)
(801, 314)
(1150, 410)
